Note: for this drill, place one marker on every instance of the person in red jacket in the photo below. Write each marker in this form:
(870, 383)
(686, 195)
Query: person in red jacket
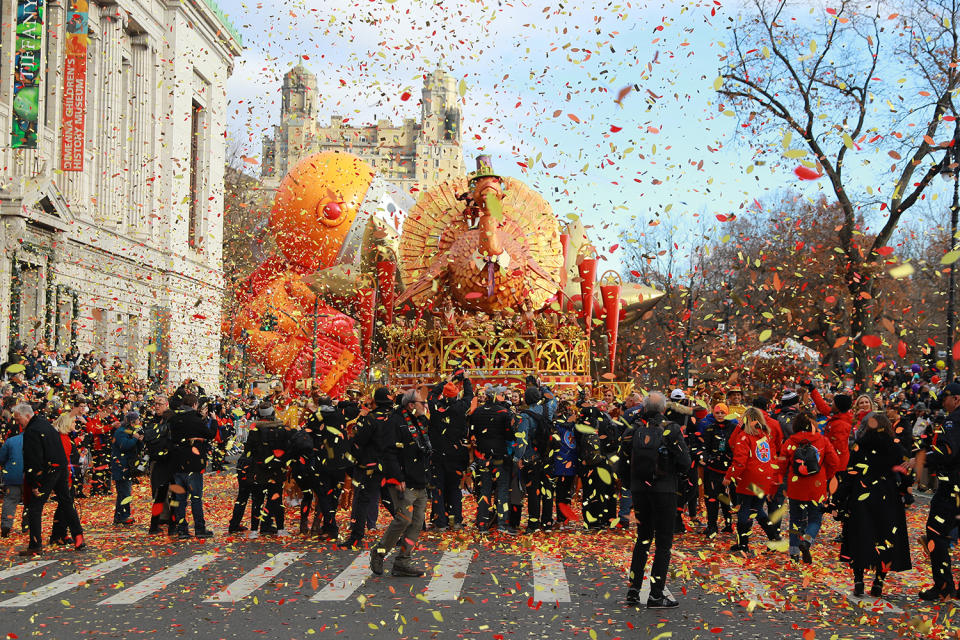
(755, 476)
(839, 423)
(807, 462)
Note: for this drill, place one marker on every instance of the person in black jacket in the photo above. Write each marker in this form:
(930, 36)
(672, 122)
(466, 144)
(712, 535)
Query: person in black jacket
(366, 449)
(158, 446)
(449, 434)
(406, 464)
(597, 444)
(491, 428)
(943, 459)
(327, 427)
(267, 447)
(46, 471)
(190, 435)
(654, 457)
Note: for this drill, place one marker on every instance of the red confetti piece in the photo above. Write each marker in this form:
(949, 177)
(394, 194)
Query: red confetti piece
(807, 174)
(885, 251)
(615, 129)
(405, 96)
(871, 341)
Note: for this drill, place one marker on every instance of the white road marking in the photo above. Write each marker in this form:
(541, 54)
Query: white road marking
(645, 591)
(26, 567)
(751, 587)
(445, 584)
(160, 580)
(255, 578)
(69, 582)
(549, 579)
(341, 587)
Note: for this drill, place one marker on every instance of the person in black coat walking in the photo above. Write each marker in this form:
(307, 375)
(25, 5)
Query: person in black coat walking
(597, 444)
(655, 459)
(190, 435)
(449, 434)
(871, 508)
(406, 464)
(46, 471)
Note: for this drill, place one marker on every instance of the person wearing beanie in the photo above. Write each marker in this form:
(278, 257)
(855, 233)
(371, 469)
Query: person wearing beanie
(491, 428)
(367, 447)
(124, 452)
(711, 448)
(265, 449)
(839, 423)
(449, 434)
(533, 450)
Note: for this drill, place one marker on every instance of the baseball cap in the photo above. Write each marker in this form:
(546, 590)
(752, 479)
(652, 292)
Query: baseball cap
(952, 389)
(677, 394)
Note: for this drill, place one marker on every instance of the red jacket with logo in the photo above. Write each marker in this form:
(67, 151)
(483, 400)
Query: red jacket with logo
(755, 467)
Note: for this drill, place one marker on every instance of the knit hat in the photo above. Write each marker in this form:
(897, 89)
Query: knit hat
(266, 410)
(677, 395)
(450, 390)
(131, 417)
(381, 396)
(843, 402)
(789, 398)
(531, 396)
(721, 407)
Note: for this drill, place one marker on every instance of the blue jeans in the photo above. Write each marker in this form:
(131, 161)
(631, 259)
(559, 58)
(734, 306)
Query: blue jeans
(192, 483)
(626, 503)
(495, 486)
(805, 520)
(121, 508)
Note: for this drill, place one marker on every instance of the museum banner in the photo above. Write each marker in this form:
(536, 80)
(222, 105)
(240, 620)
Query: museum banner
(28, 51)
(74, 88)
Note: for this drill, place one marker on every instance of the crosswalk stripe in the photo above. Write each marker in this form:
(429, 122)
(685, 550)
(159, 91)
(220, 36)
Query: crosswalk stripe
(68, 582)
(160, 580)
(448, 575)
(346, 582)
(752, 588)
(876, 605)
(26, 567)
(255, 578)
(549, 579)
(645, 590)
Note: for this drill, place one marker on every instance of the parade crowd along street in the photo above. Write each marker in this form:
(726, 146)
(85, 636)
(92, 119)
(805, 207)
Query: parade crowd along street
(729, 460)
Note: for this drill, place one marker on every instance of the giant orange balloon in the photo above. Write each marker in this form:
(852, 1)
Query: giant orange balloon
(315, 205)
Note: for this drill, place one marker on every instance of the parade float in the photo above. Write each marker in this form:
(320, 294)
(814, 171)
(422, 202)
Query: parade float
(370, 287)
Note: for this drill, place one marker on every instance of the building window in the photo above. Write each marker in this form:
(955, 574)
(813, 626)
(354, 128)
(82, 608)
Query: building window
(197, 127)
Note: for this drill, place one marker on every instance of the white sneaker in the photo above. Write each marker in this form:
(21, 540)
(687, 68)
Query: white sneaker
(253, 535)
(283, 533)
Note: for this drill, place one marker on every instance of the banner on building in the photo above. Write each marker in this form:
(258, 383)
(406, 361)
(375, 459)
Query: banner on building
(26, 73)
(75, 88)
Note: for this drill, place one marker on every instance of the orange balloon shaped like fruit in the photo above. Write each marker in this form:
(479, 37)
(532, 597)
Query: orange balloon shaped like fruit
(315, 206)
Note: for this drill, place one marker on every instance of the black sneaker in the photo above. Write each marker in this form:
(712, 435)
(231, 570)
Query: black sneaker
(184, 535)
(204, 533)
(4, 533)
(633, 597)
(376, 562)
(935, 593)
(663, 602)
(407, 571)
(805, 552)
(237, 529)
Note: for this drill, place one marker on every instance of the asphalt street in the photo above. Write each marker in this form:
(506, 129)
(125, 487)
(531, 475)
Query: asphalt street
(559, 585)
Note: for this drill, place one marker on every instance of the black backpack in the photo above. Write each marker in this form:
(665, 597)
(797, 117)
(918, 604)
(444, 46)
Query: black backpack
(650, 457)
(156, 437)
(540, 439)
(806, 459)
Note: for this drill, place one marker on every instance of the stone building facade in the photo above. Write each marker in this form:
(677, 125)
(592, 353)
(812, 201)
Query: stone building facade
(124, 256)
(413, 155)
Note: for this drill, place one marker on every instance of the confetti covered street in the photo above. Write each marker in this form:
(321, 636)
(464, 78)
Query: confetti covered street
(565, 583)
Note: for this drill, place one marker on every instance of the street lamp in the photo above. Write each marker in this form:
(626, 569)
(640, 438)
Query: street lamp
(949, 171)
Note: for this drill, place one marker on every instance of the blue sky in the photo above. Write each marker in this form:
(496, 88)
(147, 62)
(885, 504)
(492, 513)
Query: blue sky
(542, 85)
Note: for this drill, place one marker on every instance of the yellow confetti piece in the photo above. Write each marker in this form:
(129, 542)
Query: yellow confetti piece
(437, 616)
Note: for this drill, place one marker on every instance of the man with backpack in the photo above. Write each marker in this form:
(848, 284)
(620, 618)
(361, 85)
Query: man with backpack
(711, 446)
(268, 447)
(533, 453)
(491, 428)
(327, 427)
(654, 457)
(190, 437)
(448, 432)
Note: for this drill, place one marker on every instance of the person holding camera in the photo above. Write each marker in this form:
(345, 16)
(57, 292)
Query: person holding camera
(406, 464)
(654, 457)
